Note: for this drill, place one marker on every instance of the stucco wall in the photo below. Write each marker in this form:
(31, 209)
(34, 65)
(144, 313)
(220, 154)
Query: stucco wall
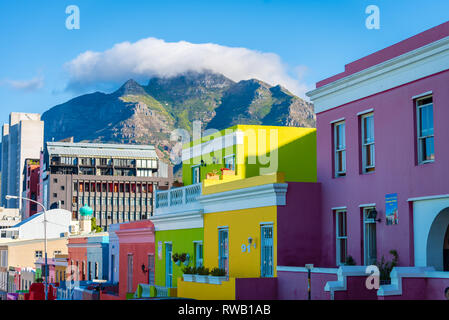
(242, 224)
(396, 169)
(182, 242)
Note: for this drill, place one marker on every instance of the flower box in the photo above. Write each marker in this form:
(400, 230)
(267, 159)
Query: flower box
(217, 280)
(201, 279)
(189, 277)
(228, 172)
(212, 176)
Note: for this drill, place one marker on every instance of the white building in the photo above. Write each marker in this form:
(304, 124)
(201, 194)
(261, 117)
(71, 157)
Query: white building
(22, 138)
(58, 225)
(9, 217)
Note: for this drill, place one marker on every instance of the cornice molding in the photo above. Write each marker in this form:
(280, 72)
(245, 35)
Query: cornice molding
(416, 64)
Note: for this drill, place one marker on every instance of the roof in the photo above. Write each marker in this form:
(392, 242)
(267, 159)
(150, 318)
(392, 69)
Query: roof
(424, 38)
(34, 216)
(101, 150)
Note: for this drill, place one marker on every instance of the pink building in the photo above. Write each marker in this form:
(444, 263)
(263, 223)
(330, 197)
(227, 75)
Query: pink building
(383, 155)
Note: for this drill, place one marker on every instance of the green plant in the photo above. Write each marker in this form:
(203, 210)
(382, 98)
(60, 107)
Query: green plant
(175, 257)
(94, 226)
(350, 261)
(385, 268)
(202, 271)
(183, 257)
(217, 272)
(189, 270)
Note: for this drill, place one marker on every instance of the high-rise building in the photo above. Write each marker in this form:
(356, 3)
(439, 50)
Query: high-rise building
(22, 139)
(116, 181)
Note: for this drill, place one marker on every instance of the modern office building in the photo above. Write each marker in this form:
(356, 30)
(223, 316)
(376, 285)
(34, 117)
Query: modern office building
(116, 181)
(22, 139)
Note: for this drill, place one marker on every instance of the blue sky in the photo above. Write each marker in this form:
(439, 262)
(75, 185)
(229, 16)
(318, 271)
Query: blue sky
(319, 37)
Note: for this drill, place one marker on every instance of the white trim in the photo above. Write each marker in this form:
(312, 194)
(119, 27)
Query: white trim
(339, 208)
(303, 269)
(338, 120)
(261, 196)
(218, 143)
(395, 288)
(197, 241)
(422, 95)
(343, 273)
(441, 196)
(367, 205)
(408, 67)
(177, 221)
(266, 223)
(362, 113)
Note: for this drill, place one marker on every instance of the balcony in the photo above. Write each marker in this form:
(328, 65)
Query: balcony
(178, 199)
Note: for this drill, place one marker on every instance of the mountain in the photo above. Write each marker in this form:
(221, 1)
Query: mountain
(142, 114)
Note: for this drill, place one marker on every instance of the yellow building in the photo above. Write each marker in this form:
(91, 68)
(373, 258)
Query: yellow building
(241, 210)
(16, 253)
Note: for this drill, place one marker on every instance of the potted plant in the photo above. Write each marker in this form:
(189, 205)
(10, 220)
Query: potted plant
(189, 274)
(350, 261)
(184, 258)
(385, 268)
(213, 175)
(217, 275)
(202, 275)
(176, 260)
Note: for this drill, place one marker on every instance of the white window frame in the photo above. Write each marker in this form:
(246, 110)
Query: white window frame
(199, 174)
(230, 156)
(418, 137)
(367, 221)
(338, 214)
(220, 257)
(337, 149)
(365, 145)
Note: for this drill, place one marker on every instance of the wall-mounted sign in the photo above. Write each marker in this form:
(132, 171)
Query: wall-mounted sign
(391, 209)
(159, 250)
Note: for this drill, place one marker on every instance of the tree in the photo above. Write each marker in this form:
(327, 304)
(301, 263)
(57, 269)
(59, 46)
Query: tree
(94, 225)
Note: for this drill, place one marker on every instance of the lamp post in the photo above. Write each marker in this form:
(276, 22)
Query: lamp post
(8, 197)
(309, 268)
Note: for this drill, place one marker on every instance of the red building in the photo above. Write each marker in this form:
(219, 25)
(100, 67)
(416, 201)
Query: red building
(31, 187)
(77, 262)
(137, 249)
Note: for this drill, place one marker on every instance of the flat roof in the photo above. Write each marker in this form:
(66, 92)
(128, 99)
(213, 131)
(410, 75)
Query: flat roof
(101, 150)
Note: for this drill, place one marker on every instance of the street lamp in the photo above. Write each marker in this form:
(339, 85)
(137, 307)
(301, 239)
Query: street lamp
(8, 197)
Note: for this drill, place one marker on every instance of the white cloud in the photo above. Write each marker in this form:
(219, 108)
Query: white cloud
(25, 85)
(155, 57)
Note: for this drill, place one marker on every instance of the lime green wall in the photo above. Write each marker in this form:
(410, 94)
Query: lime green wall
(183, 242)
(295, 148)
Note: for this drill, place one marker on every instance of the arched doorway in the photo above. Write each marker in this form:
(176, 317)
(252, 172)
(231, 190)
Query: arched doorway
(446, 251)
(437, 242)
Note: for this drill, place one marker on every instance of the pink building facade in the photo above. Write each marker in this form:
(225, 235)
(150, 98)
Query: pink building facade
(383, 154)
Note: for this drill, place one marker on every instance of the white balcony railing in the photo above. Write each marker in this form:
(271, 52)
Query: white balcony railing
(178, 199)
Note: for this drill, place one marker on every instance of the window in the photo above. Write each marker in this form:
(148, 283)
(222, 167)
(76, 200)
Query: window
(368, 158)
(340, 149)
(198, 254)
(96, 270)
(38, 254)
(342, 236)
(196, 175)
(230, 162)
(223, 249)
(130, 273)
(266, 250)
(369, 237)
(151, 280)
(425, 134)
